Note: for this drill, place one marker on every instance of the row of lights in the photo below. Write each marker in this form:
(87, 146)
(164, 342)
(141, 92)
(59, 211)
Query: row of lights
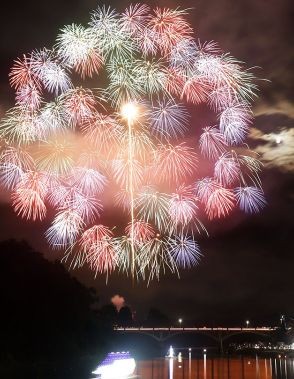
(180, 321)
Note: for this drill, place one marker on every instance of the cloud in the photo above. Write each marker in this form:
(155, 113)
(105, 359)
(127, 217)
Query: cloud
(278, 151)
(273, 134)
(282, 107)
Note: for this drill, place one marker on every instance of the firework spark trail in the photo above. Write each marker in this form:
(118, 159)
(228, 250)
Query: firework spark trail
(130, 113)
(71, 148)
(131, 190)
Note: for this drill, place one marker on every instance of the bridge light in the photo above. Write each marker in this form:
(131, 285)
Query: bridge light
(247, 323)
(180, 320)
(204, 351)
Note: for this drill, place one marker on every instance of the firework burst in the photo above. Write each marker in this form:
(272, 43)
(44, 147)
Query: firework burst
(79, 150)
(184, 250)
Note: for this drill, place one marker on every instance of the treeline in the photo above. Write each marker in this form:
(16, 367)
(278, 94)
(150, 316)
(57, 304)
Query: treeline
(51, 326)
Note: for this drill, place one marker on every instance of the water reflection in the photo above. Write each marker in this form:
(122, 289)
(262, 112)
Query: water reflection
(206, 367)
(190, 363)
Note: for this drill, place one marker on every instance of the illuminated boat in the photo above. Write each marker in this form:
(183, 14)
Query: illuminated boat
(116, 366)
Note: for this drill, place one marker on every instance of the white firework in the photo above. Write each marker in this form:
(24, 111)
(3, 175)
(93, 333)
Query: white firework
(227, 169)
(205, 187)
(79, 48)
(234, 123)
(21, 126)
(88, 180)
(184, 54)
(168, 119)
(14, 162)
(65, 229)
(49, 70)
(183, 206)
(212, 143)
(54, 118)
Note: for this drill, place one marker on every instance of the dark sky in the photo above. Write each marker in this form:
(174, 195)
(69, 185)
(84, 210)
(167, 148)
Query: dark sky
(248, 263)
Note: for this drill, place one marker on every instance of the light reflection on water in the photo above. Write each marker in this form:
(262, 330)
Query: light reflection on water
(216, 368)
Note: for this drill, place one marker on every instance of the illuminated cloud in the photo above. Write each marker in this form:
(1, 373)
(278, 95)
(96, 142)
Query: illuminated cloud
(274, 135)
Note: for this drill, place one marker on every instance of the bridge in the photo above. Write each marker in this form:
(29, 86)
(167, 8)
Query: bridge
(219, 334)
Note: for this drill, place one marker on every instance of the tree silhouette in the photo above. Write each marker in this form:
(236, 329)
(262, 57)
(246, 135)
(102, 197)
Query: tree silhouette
(46, 315)
(157, 318)
(125, 316)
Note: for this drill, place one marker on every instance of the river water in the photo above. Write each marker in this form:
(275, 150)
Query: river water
(216, 368)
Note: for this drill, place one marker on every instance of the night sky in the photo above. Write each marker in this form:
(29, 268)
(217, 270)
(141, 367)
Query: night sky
(248, 263)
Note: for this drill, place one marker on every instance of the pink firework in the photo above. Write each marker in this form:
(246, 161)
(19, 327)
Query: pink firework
(195, 90)
(97, 244)
(141, 231)
(170, 26)
(134, 19)
(79, 104)
(94, 236)
(29, 196)
(175, 163)
(29, 97)
(174, 81)
(22, 74)
(103, 132)
(220, 203)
